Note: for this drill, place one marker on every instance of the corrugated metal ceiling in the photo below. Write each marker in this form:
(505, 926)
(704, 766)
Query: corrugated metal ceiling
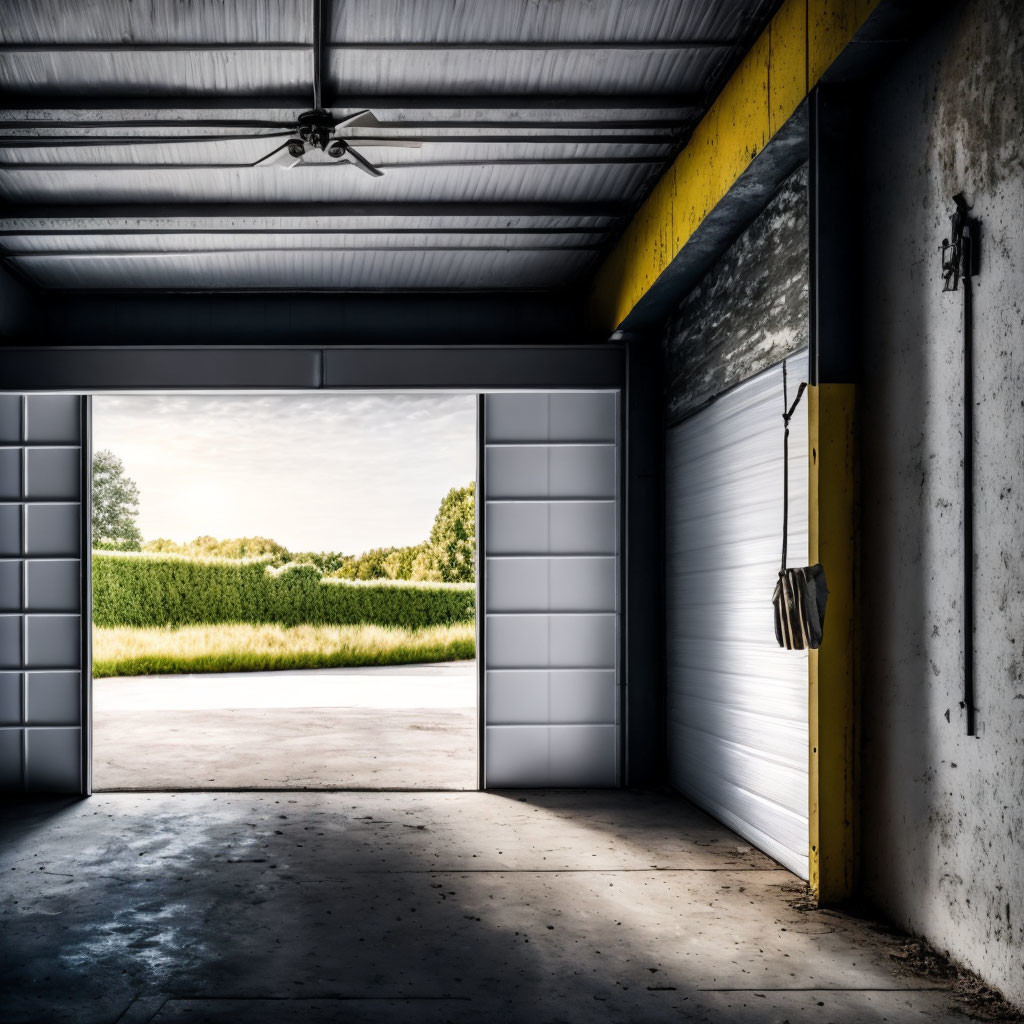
(542, 123)
(339, 183)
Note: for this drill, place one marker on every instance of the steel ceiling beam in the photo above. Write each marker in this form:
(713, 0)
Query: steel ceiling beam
(319, 53)
(340, 232)
(587, 161)
(79, 254)
(669, 126)
(369, 101)
(313, 211)
(141, 47)
(552, 291)
(59, 142)
(85, 141)
(441, 46)
(537, 45)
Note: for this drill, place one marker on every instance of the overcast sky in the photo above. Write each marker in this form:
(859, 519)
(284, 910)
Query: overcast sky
(319, 472)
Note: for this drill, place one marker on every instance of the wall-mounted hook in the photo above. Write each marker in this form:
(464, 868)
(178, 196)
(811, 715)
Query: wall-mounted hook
(960, 256)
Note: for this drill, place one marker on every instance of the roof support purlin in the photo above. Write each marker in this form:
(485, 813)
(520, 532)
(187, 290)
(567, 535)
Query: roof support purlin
(207, 229)
(122, 254)
(300, 102)
(87, 141)
(384, 46)
(548, 161)
(800, 43)
(671, 128)
(316, 211)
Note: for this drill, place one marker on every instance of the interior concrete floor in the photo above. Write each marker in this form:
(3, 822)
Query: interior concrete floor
(425, 907)
(393, 727)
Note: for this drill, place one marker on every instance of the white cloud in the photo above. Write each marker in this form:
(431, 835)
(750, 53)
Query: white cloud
(330, 472)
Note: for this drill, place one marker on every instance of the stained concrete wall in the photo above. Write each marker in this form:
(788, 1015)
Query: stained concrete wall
(750, 310)
(944, 812)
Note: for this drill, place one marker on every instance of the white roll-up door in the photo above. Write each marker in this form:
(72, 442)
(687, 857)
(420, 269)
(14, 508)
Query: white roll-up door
(737, 703)
(43, 606)
(550, 589)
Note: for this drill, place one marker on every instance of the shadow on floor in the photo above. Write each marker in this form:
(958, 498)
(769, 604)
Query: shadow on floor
(424, 907)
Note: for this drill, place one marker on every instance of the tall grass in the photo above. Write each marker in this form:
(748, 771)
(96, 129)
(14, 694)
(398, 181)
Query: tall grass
(132, 651)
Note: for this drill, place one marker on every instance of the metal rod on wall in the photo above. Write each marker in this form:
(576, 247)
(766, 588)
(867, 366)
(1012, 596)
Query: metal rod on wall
(968, 506)
(960, 260)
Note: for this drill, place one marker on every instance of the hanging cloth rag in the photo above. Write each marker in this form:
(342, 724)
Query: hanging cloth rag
(800, 594)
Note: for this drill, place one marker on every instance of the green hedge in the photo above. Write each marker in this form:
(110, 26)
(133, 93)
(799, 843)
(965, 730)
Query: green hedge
(168, 590)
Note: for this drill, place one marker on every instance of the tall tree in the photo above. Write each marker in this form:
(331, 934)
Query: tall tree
(115, 504)
(450, 554)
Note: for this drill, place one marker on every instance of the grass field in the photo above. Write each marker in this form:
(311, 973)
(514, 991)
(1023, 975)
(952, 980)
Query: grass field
(130, 651)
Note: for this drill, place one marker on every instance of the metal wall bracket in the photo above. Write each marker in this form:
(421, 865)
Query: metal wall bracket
(961, 255)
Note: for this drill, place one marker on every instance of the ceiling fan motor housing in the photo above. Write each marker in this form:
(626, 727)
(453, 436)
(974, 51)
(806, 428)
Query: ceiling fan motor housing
(316, 127)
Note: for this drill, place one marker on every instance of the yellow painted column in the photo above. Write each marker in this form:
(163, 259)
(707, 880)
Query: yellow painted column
(833, 669)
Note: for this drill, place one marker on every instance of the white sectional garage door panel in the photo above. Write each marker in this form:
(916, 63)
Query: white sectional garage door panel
(551, 589)
(737, 703)
(44, 664)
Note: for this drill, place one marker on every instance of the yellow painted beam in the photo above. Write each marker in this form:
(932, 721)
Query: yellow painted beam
(788, 59)
(831, 24)
(833, 711)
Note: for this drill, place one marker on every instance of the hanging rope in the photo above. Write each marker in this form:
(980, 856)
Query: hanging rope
(787, 415)
(800, 594)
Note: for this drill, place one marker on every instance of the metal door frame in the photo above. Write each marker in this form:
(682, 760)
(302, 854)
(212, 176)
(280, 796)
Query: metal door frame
(86, 600)
(261, 369)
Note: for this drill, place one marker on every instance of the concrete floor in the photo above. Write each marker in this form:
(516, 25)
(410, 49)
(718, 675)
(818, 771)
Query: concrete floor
(420, 907)
(396, 727)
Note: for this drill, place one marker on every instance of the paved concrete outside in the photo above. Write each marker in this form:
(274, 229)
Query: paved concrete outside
(395, 727)
(531, 907)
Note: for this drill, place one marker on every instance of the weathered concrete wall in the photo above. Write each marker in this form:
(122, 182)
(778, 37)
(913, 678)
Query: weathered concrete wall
(944, 828)
(750, 310)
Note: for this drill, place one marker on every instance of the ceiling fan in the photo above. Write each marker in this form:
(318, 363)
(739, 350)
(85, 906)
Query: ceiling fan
(316, 129)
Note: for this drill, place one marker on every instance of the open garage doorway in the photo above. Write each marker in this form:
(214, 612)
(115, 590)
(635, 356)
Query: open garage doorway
(284, 591)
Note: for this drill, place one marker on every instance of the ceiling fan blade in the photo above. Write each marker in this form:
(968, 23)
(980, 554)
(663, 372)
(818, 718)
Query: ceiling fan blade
(286, 156)
(360, 161)
(390, 143)
(85, 141)
(360, 119)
